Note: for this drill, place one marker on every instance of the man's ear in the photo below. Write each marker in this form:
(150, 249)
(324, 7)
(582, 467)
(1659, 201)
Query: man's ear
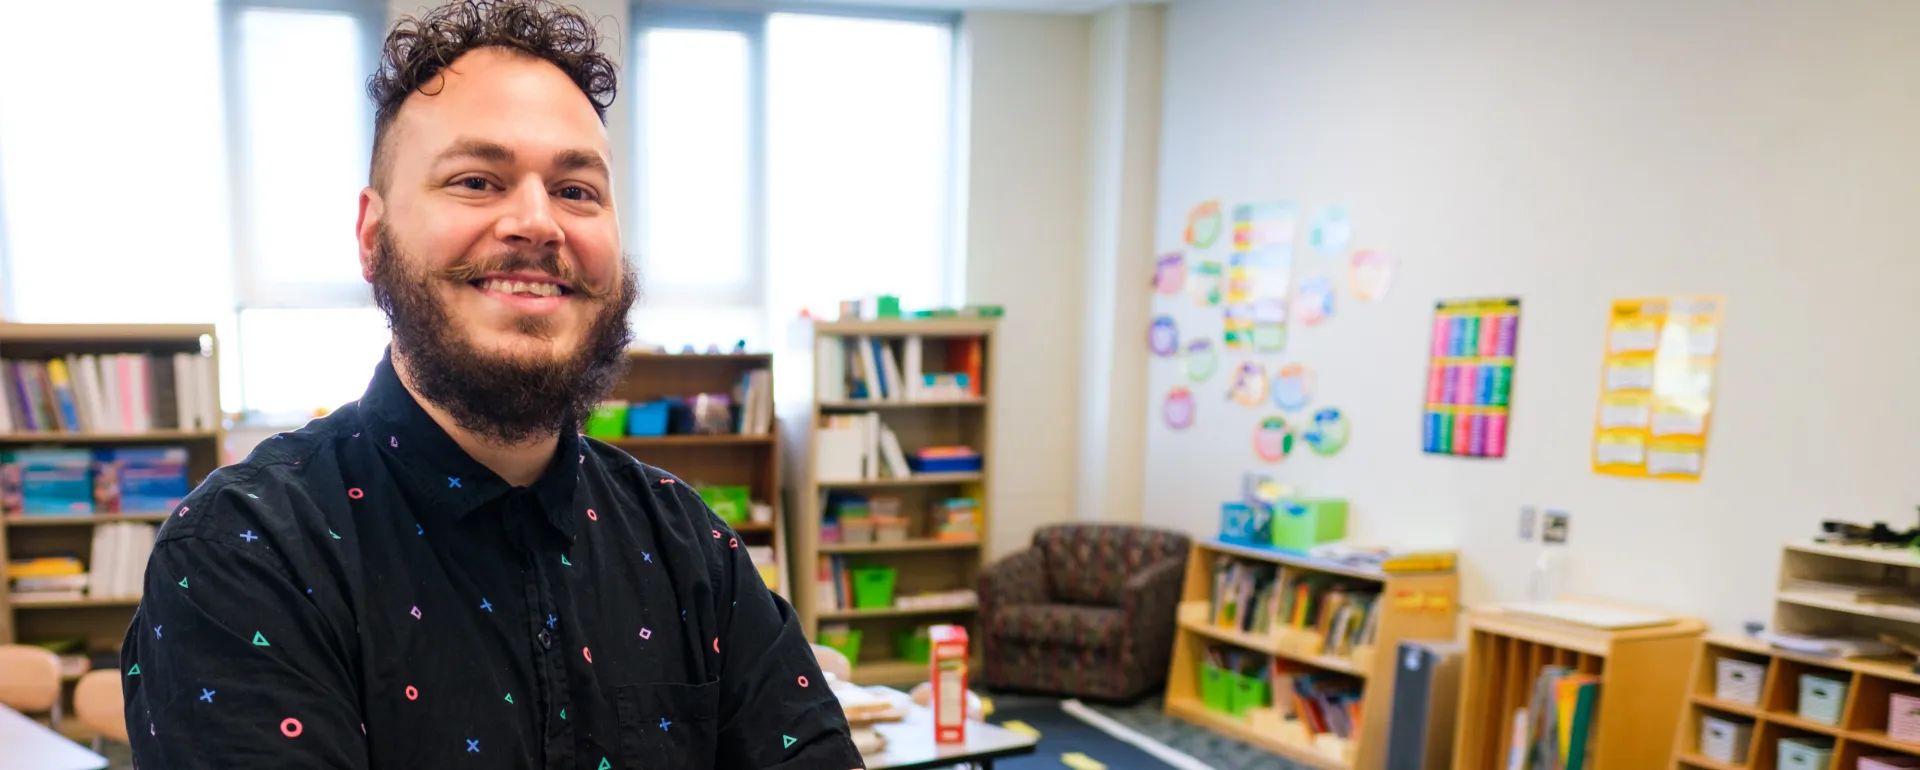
(367, 230)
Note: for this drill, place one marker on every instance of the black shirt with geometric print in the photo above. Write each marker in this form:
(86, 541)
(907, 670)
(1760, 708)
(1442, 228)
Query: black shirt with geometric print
(363, 594)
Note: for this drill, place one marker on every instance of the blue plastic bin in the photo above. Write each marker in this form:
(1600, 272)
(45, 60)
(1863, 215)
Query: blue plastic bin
(945, 465)
(647, 419)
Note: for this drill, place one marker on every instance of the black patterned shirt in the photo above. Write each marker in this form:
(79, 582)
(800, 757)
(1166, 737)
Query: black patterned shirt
(363, 594)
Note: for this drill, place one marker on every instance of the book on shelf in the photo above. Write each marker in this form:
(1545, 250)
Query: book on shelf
(854, 447)
(69, 482)
(1263, 599)
(115, 568)
(111, 393)
(1553, 730)
(864, 368)
(765, 563)
(755, 396)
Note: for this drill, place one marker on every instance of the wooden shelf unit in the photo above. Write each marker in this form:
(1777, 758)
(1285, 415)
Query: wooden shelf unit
(923, 564)
(1862, 731)
(749, 460)
(102, 622)
(1642, 676)
(1422, 605)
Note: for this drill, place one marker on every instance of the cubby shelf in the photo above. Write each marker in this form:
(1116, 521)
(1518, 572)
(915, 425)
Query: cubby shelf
(1801, 606)
(1413, 606)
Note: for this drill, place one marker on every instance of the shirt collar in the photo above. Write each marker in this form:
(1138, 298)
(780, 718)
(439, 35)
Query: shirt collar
(436, 466)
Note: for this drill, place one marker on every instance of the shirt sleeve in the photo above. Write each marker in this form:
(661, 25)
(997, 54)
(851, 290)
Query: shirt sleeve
(776, 710)
(229, 664)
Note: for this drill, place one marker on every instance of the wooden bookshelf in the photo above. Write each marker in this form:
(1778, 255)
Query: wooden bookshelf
(100, 621)
(1871, 681)
(1422, 605)
(923, 563)
(751, 460)
(1642, 675)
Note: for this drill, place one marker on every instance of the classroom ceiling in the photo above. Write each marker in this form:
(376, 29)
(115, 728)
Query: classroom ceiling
(1042, 6)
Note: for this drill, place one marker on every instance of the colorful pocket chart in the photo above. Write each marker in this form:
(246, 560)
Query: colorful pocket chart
(1470, 377)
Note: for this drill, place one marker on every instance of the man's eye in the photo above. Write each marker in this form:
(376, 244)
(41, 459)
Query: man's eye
(473, 183)
(576, 193)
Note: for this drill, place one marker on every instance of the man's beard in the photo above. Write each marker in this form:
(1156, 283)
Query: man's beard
(502, 399)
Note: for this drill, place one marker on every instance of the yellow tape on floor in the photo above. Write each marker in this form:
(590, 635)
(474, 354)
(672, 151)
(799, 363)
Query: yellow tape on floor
(1021, 728)
(1079, 761)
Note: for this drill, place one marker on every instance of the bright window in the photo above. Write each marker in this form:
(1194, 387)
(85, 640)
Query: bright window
(305, 125)
(789, 161)
(113, 168)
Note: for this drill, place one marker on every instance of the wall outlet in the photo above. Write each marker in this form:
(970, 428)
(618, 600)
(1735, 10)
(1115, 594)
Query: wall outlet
(1555, 529)
(1528, 517)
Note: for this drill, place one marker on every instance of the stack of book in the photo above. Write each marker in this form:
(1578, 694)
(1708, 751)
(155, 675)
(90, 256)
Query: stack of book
(957, 519)
(854, 447)
(1552, 732)
(47, 578)
(1260, 598)
(1325, 704)
(117, 393)
(867, 369)
(64, 482)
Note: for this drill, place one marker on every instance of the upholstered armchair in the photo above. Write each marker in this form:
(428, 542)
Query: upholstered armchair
(1087, 611)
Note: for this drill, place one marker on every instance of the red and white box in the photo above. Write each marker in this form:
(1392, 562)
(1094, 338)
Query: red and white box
(948, 663)
(1903, 717)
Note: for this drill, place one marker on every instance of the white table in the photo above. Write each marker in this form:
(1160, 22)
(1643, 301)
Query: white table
(910, 744)
(29, 745)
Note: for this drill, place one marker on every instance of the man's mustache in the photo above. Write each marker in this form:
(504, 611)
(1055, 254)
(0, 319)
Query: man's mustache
(470, 270)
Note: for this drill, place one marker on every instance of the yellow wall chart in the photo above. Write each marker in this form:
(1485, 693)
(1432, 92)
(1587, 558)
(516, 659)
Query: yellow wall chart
(1656, 387)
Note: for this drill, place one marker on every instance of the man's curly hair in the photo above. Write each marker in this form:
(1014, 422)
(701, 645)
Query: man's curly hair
(418, 48)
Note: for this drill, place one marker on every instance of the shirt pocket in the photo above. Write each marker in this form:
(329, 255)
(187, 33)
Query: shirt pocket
(668, 725)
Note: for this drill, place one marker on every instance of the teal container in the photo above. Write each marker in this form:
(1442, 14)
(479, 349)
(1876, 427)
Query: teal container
(1299, 525)
(1216, 688)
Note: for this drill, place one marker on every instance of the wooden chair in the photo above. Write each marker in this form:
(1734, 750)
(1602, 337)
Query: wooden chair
(100, 705)
(832, 662)
(30, 680)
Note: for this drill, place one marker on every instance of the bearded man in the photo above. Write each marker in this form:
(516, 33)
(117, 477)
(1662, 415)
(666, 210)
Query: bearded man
(444, 573)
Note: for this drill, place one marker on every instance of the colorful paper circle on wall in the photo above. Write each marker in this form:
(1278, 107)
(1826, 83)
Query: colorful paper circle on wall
(1205, 284)
(1369, 274)
(1272, 439)
(1249, 384)
(1328, 433)
(1332, 231)
(1200, 359)
(1203, 224)
(1313, 301)
(1164, 338)
(1170, 273)
(1178, 408)
(1293, 387)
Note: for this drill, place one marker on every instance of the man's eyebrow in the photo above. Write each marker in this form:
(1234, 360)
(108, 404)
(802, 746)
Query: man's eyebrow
(579, 160)
(491, 152)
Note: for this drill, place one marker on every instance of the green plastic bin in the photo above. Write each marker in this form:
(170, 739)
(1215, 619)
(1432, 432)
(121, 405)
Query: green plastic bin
(733, 503)
(913, 644)
(608, 420)
(1299, 525)
(846, 642)
(1248, 693)
(1216, 688)
(873, 587)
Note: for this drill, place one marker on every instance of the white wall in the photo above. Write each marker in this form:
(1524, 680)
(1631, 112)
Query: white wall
(1122, 158)
(1026, 207)
(1572, 153)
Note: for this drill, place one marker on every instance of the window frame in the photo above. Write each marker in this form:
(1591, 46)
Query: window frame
(754, 293)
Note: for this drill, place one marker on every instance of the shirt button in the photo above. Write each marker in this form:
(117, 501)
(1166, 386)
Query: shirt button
(546, 639)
